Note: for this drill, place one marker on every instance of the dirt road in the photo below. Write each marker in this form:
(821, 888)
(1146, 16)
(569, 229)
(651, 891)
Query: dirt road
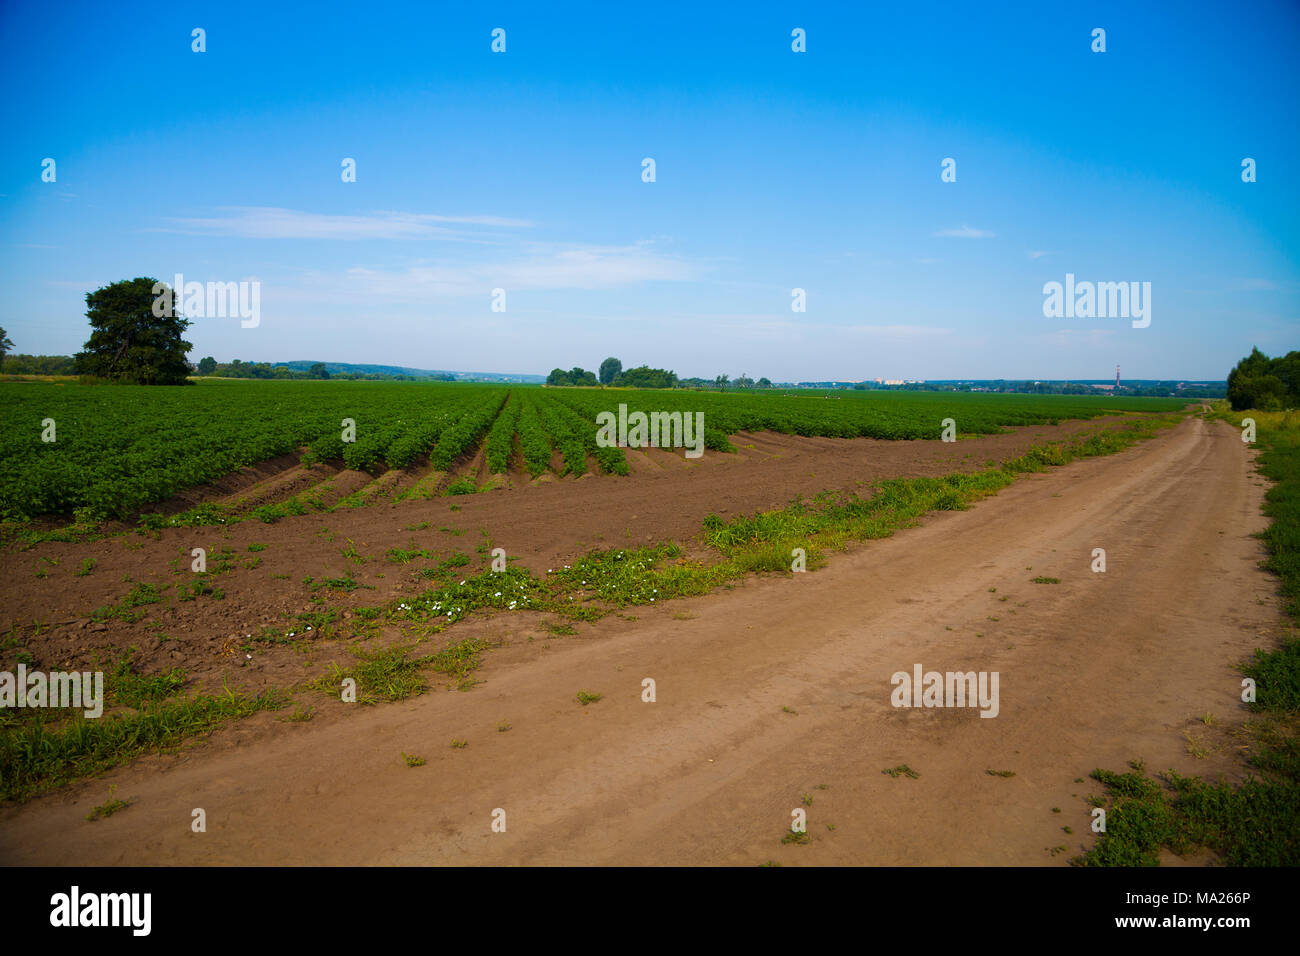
(766, 692)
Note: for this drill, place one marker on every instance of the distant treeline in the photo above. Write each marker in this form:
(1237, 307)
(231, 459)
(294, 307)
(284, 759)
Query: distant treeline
(240, 369)
(1153, 390)
(39, 365)
(612, 374)
(1267, 384)
(67, 365)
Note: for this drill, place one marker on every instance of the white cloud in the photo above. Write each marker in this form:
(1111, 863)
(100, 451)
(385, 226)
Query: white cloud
(965, 232)
(270, 222)
(593, 267)
(1038, 254)
(542, 268)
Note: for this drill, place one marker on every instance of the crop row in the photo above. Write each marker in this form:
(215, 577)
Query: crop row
(534, 440)
(852, 414)
(499, 438)
(116, 449)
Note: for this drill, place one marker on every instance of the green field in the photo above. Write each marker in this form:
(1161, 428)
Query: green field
(119, 448)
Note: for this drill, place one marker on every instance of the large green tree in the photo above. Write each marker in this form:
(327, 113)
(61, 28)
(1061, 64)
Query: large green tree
(5, 345)
(1264, 383)
(609, 370)
(135, 335)
(645, 377)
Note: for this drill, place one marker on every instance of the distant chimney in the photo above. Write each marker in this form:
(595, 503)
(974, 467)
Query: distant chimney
(1117, 376)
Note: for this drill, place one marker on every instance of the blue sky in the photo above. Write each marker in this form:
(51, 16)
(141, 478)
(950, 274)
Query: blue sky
(774, 170)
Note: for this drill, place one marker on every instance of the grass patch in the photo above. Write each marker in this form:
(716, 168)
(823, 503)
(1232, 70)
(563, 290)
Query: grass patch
(620, 577)
(444, 567)
(382, 675)
(461, 486)
(125, 686)
(1255, 824)
(511, 589)
(1277, 678)
(197, 588)
(458, 661)
(128, 609)
(393, 674)
(403, 556)
(38, 757)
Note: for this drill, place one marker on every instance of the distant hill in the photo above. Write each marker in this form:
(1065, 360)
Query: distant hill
(345, 367)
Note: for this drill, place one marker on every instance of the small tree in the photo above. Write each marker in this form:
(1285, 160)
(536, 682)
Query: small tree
(1264, 383)
(135, 335)
(609, 370)
(318, 371)
(207, 365)
(5, 345)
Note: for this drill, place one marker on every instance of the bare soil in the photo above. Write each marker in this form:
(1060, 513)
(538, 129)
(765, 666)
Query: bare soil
(765, 692)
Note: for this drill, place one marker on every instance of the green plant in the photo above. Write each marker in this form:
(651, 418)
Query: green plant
(902, 770)
(109, 807)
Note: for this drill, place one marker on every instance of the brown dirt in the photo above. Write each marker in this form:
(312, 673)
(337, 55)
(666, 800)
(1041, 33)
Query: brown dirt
(540, 524)
(1095, 670)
